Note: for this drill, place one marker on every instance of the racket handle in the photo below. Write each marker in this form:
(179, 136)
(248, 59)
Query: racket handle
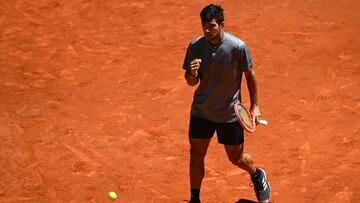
(263, 122)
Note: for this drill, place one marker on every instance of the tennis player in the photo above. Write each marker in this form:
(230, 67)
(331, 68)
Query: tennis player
(217, 61)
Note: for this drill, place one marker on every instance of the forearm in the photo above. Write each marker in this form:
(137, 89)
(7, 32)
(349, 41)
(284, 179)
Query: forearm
(252, 87)
(191, 79)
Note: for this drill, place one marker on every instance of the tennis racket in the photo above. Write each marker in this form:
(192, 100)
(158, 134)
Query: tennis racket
(245, 119)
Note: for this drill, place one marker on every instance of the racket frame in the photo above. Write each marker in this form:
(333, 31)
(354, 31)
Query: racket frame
(240, 120)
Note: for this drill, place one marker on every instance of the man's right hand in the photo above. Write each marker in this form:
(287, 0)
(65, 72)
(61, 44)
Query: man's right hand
(195, 65)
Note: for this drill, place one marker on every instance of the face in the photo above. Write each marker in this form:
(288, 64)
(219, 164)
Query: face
(213, 31)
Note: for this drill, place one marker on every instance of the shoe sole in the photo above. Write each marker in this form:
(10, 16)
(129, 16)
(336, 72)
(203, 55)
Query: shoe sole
(266, 201)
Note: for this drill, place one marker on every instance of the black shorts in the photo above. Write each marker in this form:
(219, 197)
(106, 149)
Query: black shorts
(227, 133)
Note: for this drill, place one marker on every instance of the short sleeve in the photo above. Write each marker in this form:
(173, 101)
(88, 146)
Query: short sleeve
(189, 55)
(245, 60)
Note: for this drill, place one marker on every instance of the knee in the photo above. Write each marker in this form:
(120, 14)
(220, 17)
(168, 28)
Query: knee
(197, 155)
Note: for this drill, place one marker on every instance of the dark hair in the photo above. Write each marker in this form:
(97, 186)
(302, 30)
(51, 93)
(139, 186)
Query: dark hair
(210, 12)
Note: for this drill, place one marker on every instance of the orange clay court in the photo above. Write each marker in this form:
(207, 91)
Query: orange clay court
(93, 99)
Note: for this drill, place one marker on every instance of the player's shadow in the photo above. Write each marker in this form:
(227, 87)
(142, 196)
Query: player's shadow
(245, 201)
(239, 201)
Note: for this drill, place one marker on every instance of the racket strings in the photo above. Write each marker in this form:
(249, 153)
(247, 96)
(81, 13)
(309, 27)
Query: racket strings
(245, 117)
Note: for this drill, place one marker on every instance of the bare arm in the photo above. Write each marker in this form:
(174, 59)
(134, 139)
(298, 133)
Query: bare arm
(191, 80)
(252, 86)
(253, 92)
(192, 75)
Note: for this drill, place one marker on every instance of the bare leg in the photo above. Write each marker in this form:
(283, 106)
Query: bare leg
(198, 149)
(237, 156)
(244, 161)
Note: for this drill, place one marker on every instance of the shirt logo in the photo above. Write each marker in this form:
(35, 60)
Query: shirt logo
(228, 53)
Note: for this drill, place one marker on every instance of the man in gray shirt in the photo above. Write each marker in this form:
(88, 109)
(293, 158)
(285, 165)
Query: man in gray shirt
(217, 61)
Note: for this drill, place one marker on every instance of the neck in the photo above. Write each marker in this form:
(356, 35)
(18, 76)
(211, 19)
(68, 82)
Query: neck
(218, 40)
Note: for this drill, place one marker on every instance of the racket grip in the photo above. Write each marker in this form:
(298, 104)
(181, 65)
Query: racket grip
(263, 122)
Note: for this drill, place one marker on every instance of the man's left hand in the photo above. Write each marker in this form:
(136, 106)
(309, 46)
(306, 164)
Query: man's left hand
(255, 112)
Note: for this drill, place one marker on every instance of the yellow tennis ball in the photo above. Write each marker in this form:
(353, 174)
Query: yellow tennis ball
(112, 196)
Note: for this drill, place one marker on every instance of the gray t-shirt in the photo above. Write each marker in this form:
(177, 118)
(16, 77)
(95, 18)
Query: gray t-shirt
(220, 76)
